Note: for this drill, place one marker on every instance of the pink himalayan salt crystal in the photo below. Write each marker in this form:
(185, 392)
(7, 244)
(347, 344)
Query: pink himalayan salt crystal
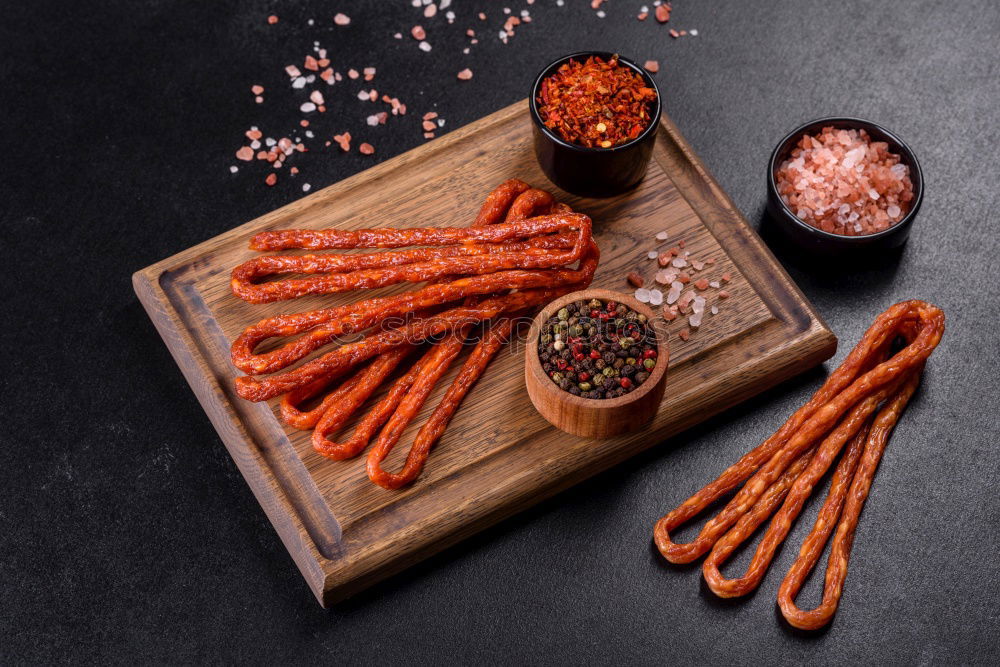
(842, 182)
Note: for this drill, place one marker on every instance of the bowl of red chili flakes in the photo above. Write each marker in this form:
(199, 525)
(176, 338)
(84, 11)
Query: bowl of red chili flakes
(595, 116)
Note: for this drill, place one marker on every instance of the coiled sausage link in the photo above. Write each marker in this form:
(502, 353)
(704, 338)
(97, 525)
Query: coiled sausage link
(841, 412)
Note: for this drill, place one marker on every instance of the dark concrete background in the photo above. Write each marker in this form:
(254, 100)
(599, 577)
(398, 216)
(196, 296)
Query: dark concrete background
(126, 532)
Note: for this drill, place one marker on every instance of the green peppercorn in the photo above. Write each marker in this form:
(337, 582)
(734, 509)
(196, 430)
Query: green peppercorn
(563, 314)
(608, 371)
(584, 386)
(641, 318)
(630, 361)
(625, 342)
(546, 339)
(595, 304)
(557, 377)
(649, 364)
(576, 330)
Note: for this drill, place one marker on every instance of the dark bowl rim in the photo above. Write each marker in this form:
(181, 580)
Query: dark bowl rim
(907, 219)
(533, 104)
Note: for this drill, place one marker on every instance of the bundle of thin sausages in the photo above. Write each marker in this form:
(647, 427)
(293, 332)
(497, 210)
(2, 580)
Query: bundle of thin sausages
(854, 412)
(516, 256)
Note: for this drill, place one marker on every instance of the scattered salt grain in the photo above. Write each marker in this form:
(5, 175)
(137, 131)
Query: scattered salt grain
(643, 295)
(679, 262)
(424, 46)
(655, 297)
(662, 236)
(652, 254)
(306, 187)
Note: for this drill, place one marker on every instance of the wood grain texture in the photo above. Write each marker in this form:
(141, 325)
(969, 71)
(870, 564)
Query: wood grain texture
(589, 417)
(498, 455)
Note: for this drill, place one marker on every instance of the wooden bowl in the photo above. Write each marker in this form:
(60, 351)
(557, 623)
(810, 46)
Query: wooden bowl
(595, 417)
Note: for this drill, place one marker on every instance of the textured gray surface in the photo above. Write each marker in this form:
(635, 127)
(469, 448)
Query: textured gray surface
(125, 529)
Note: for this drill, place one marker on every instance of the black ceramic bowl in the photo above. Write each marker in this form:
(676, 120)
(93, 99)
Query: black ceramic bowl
(593, 172)
(819, 242)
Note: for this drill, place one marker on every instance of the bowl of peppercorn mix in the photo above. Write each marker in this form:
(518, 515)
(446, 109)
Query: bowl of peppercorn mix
(595, 116)
(595, 363)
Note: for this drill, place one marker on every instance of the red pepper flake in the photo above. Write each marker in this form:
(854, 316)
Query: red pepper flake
(683, 277)
(663, 13)
(596, 4)
(674, 33)
(311, 64)
(634, 279)
(271, 179)
(595, 103)
(327, 75)
(701, 283)
(723, 294)
(684, 334)
(272, 19)
(418, 33)
(652, 66)
(642, 16)
(430, 115)
(343, 140)
(342, 19)
(670, 313)
(726, 277)
(429, 126)
(465, 74)
(366, 149)
(663, 259)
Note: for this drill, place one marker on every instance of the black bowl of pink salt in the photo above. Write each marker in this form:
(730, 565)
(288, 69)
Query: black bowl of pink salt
(595, 116)
(844, 185)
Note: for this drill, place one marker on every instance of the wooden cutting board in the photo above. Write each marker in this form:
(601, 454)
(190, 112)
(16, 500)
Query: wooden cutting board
(497, 456)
